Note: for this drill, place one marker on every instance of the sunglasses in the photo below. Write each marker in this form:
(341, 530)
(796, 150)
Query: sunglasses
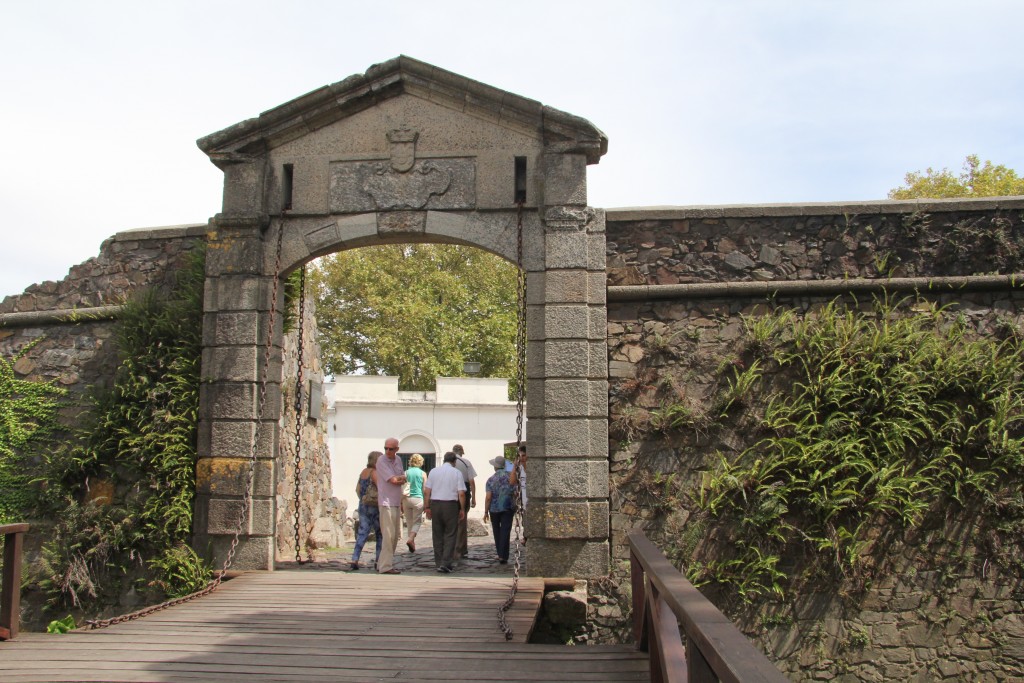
(390, 449)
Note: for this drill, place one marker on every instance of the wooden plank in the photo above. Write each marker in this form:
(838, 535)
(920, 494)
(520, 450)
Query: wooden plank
(293, 626)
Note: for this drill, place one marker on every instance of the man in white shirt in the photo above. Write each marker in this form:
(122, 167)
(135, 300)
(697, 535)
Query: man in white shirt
(444, 502)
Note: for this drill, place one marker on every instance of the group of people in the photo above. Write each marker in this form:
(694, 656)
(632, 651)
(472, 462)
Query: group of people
(387, 492)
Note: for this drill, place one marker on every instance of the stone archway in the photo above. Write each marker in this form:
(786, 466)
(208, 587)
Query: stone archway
(408, 152)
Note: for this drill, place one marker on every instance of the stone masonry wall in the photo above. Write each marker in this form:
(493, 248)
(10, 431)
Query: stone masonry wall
(72, 350)
(321, 516)
(941, 612)
(75, 354)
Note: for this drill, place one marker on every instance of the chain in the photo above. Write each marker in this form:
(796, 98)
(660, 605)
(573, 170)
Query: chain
(520, 396)
(299, 417)
(247, 499)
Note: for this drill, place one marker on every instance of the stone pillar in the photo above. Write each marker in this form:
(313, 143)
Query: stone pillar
(236, 309)
(567, 368)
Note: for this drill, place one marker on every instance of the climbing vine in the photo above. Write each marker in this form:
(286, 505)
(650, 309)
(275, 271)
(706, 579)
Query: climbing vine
(122, 496)
(28, 411)
(870, 421)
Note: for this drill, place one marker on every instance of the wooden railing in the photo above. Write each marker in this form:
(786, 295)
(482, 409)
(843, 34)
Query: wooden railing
(715, 649)
(10, 580)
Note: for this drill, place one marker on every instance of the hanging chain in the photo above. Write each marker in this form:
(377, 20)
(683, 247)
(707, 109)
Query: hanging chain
(247, 498)
(299, 417)
(520, 397)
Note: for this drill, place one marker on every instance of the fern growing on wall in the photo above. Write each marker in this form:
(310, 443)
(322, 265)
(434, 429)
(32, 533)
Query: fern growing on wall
(123, 495)
(874, 420)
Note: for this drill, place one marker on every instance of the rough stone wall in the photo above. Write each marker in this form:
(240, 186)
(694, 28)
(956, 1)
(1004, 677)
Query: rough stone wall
(75, 354)
(960, 620)
(321, 516)
(73, 351)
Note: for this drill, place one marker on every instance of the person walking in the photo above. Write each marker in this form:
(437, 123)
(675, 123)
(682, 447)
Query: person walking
(390, 477)
(369, 515)
(465, 467)
(444, 503)
(412, 503)
(500, 507)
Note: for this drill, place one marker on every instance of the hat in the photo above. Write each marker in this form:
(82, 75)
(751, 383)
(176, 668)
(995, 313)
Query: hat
(498, 463)
(458, 449)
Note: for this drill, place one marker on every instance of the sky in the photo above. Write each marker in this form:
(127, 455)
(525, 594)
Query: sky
(703, 101)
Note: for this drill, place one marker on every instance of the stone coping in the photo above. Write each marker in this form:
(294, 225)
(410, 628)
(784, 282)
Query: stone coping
(712, 290)
(647, 213)
(160, 232)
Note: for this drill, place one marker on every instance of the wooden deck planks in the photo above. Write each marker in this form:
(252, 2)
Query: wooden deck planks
(290, 626)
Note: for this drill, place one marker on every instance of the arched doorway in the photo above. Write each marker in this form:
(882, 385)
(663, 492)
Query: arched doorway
(408, 152)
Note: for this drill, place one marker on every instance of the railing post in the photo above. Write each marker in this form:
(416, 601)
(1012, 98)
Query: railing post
(10, 581)
(638, 584)
(697, 668)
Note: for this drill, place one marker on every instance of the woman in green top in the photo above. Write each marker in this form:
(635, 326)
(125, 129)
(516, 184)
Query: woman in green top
(412, 499)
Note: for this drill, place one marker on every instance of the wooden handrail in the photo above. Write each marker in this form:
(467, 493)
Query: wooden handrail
(10, 580)
(715, 648)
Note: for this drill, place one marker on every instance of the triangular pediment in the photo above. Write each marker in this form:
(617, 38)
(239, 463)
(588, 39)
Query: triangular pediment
(404, 76)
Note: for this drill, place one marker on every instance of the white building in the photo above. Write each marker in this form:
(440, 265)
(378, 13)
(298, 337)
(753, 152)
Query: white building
(364, 410)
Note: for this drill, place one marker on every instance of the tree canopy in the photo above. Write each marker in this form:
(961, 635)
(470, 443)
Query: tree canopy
(416, 311)
(976, 180)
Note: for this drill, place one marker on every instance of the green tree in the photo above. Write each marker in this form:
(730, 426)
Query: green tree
(976, 180)
(416, 311)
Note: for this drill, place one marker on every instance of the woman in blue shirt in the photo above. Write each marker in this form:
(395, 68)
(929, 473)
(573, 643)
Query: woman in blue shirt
(499, 506)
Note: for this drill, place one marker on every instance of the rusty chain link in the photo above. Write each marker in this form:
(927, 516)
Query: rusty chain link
(247, 498)
(520, 397)
(299, 417)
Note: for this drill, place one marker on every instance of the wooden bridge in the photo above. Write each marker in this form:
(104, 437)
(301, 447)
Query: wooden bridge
(346, 626)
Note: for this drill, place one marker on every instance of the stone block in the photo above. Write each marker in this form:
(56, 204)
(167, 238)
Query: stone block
(568, 249)
(262, 517)
(237, 293)
(597, 323)
(253, 553)
(597, 288)
(598, 403)
(235, 328)
(227, 400)
(223, 516)
(568, 322)
(567, 398)
(597, 252)
(571, 438)
(565, 286)
(235, 252)
(243, 186)
(565, 358)
(586, 559)
(565, 179)
(233, 438)
(232, 363)
(565, 520)
(574, 479)
(226, 477)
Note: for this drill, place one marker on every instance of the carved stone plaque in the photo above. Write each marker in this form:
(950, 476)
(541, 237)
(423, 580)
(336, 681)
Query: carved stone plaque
(428, 184)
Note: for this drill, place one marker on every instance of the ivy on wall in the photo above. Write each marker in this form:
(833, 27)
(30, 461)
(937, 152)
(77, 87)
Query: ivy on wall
(122, 496)
(28, 411)
(864, 424)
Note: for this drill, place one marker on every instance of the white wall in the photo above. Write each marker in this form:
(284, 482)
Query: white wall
(363, 411)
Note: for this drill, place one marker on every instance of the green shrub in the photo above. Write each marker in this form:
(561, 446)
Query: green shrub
(141, 442)
(870, 420)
